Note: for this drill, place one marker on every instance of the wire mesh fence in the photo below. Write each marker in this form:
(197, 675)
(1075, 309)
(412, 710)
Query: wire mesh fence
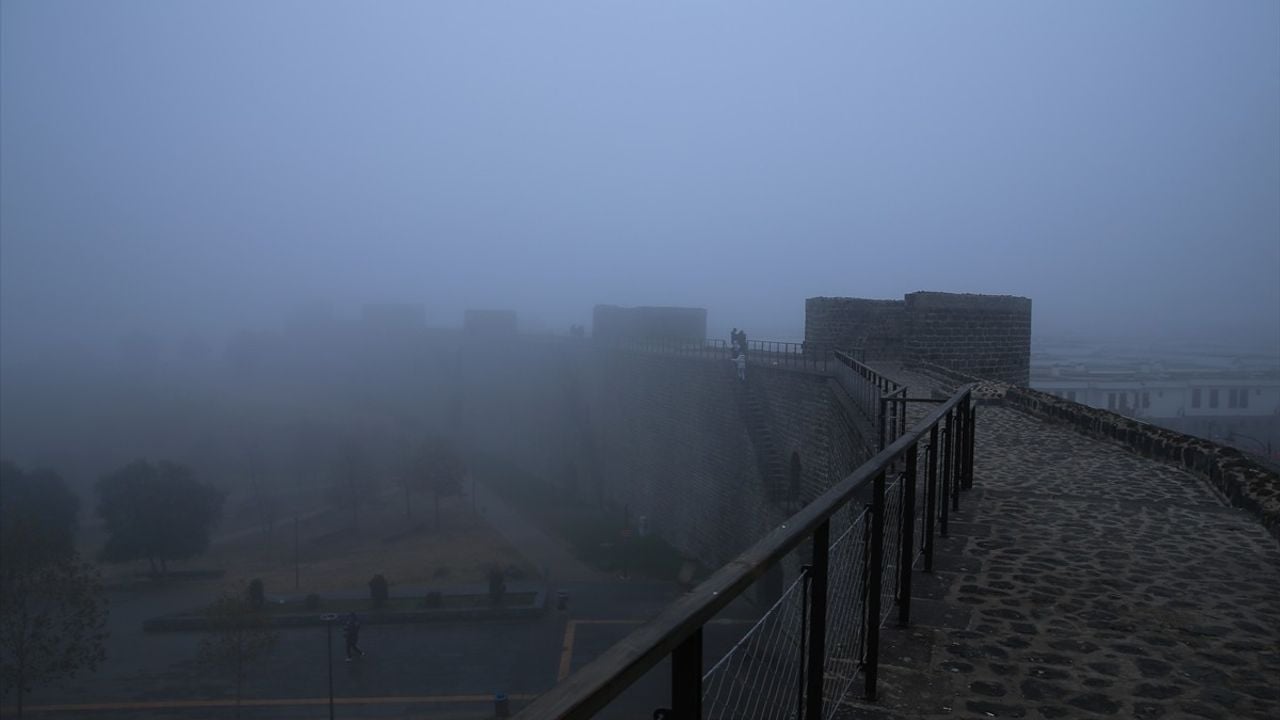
(801, 658)
(846, 611)
(761, 676)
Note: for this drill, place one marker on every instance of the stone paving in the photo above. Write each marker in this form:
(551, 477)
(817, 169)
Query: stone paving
(1081, 580)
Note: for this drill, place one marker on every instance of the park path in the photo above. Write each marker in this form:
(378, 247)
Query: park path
(551, 556)
(1082, 580)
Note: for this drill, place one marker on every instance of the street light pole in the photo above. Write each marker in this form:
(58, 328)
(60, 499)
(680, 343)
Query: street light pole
(328, 626)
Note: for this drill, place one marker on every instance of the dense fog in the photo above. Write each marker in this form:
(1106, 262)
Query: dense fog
(181, 181)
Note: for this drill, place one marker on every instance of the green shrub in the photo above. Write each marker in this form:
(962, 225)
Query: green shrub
(257, 596)
(378, 591)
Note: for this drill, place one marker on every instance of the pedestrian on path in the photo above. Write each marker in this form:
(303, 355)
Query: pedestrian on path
(351, 631)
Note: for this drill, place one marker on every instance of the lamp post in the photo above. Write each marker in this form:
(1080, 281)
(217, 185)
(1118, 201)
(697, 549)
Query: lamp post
(328, 619)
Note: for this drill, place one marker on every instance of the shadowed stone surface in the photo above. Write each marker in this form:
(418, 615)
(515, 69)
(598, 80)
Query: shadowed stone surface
(1099, 584)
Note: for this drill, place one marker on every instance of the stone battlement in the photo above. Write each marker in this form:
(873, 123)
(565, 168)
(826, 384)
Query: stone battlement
(988, 336)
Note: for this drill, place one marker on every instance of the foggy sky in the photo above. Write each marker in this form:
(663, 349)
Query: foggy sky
(201, 166)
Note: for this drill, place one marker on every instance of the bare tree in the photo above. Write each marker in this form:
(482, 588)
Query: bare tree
(52, 623)
(240, 636)
(438, 468)
(355, 484)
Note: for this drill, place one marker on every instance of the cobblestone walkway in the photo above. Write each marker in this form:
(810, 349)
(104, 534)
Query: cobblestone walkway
(1081, 580)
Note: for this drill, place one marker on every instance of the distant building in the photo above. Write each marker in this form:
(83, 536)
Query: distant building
(1234, 407)
(489, 323)
(394, 316)
(686, 324)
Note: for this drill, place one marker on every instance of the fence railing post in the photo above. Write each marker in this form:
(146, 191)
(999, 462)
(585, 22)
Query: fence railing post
(957, 463)
(806, 575)
(884, 404)
(930, 496)
(875, 579)
(686, 678)
(944, 495)
(973, 434)
(908, 536)
(817, 622)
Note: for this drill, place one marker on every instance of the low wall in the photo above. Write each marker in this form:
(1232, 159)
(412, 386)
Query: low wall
(1246, 483)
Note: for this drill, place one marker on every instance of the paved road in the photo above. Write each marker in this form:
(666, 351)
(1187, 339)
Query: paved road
(429, 666)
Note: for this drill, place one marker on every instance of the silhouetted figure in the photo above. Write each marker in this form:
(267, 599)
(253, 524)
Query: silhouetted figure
(742, 341)
(351, 631)
(733, 343)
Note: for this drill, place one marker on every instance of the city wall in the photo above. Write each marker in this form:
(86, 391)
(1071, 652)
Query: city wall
(654, 435)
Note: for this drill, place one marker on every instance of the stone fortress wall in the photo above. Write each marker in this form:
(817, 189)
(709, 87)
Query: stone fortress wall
(657, 435)
(986, 335)
(712, 464)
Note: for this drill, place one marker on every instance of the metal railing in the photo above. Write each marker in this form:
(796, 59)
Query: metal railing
(792, 355)
(803, 655)
(766, 353)
(873, 392)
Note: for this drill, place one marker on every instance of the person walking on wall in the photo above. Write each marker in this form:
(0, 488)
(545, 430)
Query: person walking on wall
(741, 362)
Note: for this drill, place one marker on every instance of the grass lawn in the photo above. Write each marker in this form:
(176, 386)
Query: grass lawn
(334, 555)
(594, 534)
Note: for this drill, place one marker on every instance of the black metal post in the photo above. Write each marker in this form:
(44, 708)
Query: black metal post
(945, 489)
(930, 496)
(874, 585)
(902, 415)
(908, 536)
(973, 434)
(686, 678)
(883, 409)
(804, 623)
(817, 622)
(957, 447)
(329, 642)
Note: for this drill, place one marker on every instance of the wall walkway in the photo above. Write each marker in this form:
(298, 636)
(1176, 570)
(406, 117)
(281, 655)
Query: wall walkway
(1083, 580)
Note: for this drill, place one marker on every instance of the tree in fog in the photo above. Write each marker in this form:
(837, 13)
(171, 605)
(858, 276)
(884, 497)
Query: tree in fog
(52, 610)
(437, 467)
(354, 482)
(38, 516)
(52, 623)
(266, 508)
(264, 504)
(158, 512)
(239, 636)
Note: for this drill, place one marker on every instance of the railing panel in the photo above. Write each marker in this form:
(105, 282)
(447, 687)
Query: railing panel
(846, 609)
(762, 675)
(802, 656)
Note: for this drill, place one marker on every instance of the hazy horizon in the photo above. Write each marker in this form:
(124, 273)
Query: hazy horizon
(192, 169)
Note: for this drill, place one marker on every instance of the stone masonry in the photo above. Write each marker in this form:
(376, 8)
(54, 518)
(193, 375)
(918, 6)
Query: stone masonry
(876, 326)
(984, 335)
(1081, 579)
(988, 336)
